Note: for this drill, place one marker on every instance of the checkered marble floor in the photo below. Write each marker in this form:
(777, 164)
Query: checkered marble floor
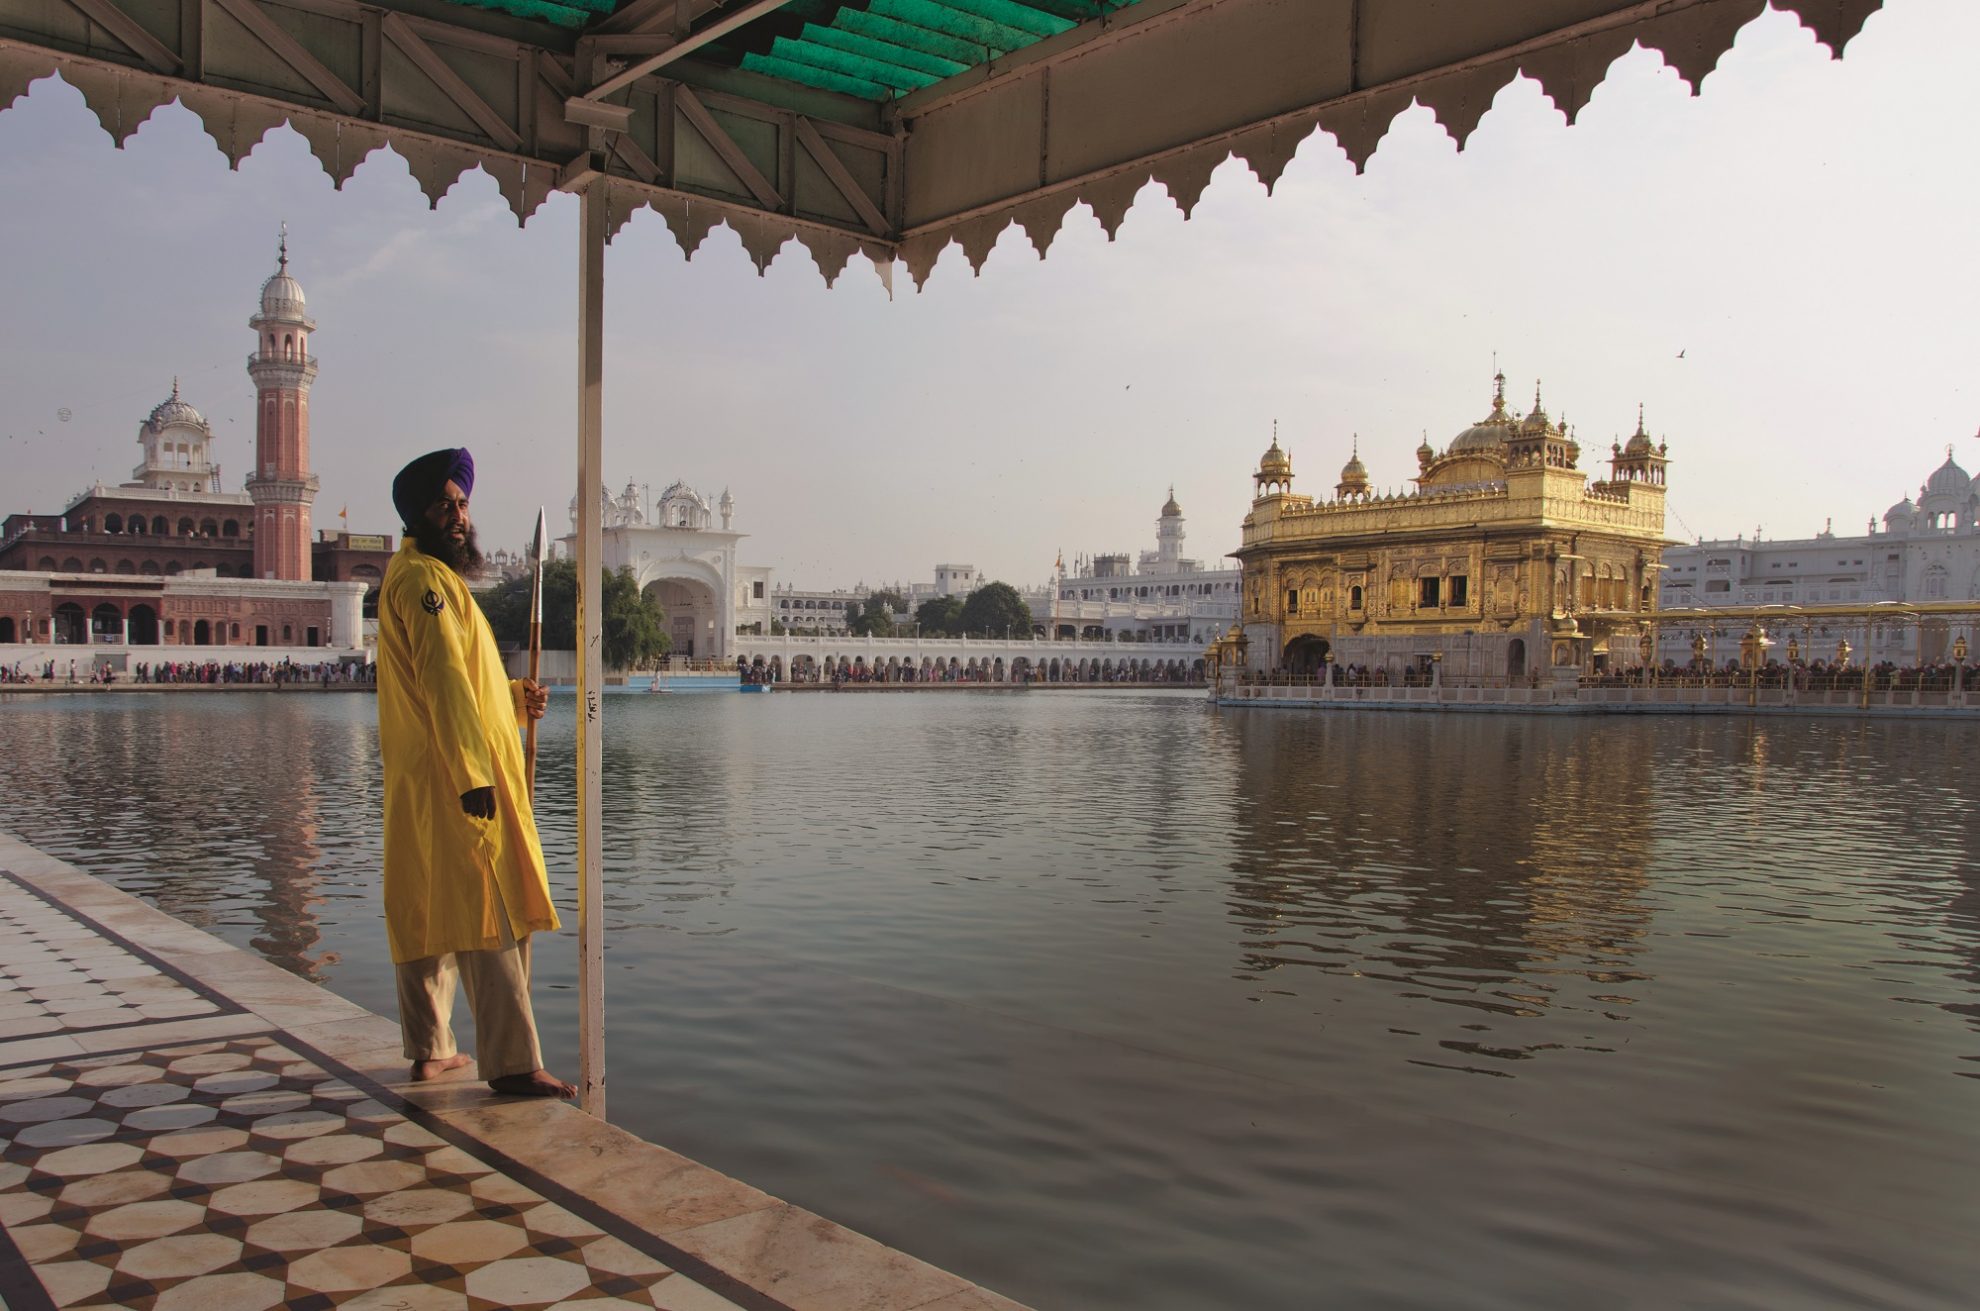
(56, 977)
(249, 1171)
(242, 1174)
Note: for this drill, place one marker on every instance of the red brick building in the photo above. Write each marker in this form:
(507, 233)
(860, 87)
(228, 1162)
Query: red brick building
(169, 558)
(109, 610)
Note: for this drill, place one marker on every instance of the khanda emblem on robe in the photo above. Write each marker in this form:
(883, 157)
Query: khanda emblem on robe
(431, 602)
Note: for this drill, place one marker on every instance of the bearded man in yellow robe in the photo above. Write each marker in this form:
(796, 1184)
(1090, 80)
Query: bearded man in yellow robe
(464, 880)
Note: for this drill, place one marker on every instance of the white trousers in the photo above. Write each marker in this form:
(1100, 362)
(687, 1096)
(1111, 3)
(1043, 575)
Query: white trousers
(498, 996)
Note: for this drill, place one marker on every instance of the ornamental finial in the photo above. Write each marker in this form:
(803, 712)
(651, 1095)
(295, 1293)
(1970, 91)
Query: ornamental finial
(282, 249)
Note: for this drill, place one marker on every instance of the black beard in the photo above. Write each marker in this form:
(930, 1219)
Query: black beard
(463, 557)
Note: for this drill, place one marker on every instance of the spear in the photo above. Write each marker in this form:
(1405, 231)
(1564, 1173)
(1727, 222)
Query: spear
(535, 644)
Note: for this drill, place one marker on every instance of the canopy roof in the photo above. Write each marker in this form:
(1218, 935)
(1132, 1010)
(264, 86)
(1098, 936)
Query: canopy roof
(885, 126)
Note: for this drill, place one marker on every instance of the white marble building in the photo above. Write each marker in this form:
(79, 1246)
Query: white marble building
(1162, 597)
(676, 551)
(1923, 549)
(677, 554)
(823, 611)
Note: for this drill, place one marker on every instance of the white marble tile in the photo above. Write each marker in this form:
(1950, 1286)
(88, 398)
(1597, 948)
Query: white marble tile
(235, 1291)
(682, 1294)
(169, 1034)
(349, 1269)
(49, 1047)
(179, 1256)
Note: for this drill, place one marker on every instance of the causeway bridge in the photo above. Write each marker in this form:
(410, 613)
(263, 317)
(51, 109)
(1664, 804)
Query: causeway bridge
(1015, 658)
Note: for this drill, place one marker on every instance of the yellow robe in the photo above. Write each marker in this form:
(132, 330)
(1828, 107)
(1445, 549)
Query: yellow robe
(448, 721)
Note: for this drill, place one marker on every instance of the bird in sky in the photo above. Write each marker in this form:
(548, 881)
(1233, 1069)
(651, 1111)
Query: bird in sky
(1680, 354)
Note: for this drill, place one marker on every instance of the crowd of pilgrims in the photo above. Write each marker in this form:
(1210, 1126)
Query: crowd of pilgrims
(839, 675)
(328, 673)
(1807, 675)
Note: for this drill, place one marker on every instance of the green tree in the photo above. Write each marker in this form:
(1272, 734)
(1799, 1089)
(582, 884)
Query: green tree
(877, 617)
(993, 608)
(939, 616)
(507, 606)
(634, 624)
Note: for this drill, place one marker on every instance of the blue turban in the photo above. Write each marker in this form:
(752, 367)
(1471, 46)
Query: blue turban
(421, 483)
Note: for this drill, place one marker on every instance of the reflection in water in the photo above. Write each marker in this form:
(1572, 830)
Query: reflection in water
(215, 815)
(1364, 856)
(288, 916)
(1116, 1001)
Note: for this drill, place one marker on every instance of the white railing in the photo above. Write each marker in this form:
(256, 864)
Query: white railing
(1568, 695)
(1018, 645)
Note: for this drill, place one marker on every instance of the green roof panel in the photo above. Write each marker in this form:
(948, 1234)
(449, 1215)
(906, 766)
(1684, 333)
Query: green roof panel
(994, 38)
(817, 54)
(562, 13)
(895, 32)
(873, 49)
(812, 75)
(897, 46)
(886, 52)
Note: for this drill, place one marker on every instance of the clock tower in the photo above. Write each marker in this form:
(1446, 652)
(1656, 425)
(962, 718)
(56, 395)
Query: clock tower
(281, 485)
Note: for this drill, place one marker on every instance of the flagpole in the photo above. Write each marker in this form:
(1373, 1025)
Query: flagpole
(535, 648)
(592, 232)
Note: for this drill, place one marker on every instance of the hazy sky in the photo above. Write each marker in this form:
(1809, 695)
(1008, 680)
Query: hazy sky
(1804, 231)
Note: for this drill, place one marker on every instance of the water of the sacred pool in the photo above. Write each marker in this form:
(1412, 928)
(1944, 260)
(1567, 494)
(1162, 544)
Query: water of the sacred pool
(1111, 1000)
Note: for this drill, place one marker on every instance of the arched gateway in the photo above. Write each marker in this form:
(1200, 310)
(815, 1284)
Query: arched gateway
(694, 617)
(1305, 656)
(680, 558)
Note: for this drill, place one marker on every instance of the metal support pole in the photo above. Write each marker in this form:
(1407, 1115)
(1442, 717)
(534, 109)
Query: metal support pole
(591, 667)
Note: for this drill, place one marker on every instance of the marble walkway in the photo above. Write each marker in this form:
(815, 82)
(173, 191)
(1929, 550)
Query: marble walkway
(185, 1127)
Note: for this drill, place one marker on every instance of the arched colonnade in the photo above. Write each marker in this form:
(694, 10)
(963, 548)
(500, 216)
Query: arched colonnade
(832, 667)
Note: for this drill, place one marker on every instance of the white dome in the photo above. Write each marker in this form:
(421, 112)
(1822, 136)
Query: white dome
(172, 412)
(1948, 480)
(282, 295)
(681, 491)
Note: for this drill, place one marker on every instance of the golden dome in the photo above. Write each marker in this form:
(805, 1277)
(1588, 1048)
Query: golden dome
(1536, 419)
(1639, 442)
(1275, 462)
(1489, 433)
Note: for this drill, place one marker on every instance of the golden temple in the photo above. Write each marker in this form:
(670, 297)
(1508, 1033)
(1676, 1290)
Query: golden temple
(1505, 561)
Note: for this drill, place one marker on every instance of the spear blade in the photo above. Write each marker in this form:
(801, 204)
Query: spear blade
(536, 558)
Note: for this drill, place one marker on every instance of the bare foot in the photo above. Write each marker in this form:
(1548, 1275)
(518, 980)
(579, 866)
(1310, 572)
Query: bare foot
(425, 1070)
(537, 1083)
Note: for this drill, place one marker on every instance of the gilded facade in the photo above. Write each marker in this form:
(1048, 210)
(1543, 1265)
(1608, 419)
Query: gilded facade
(1504, 561)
